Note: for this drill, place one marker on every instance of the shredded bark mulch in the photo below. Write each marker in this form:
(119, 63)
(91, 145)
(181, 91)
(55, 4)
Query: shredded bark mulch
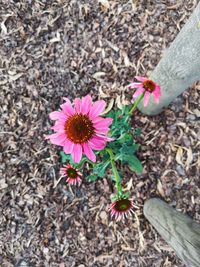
(55, 48)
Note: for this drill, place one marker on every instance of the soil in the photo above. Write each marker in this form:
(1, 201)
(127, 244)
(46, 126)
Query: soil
(56, 48)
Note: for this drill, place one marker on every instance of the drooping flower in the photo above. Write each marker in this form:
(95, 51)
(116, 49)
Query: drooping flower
(80, 129)
(72, 174)
(121, 208)
(146, 87)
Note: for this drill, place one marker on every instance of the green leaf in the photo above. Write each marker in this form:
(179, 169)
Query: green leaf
(133, 163)
(100, 168)
(64, 157)
(128, 149)
(120, 124)
(125, 137)
(138, 132)
(92, 177)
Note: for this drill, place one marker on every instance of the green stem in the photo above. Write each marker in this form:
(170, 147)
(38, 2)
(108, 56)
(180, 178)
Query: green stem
(115, 171)
(78, 166)
(136, 103)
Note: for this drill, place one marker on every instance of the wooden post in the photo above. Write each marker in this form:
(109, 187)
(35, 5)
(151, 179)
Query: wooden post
(178, 230)
(179, 67)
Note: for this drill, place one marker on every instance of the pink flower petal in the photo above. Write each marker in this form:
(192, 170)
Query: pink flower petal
(135, 85)
(67, 107)
(77, 103)
(86, 104)
(59, 127)
(57, 115)
(106, 138)
(146, 98)
(97, 143)
(88, 152)
(110, 139)
(57, 139)
(77, 153)
(140, 78)
(103, 122)
(97, 108)
(138, 92)
(68, 147)
(97, 119)
(103, 130)
(156, 94)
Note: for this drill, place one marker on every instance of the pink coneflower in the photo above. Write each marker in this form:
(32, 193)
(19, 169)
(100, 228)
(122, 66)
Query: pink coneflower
(72, 174)
(121, 208)
(147, 87)
(80, 129)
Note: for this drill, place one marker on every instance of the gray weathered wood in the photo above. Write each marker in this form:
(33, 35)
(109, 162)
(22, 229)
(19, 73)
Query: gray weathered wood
(179, 67)
(180, 231)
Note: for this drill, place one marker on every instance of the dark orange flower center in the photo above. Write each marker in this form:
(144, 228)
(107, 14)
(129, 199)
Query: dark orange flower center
(149, 86)
(79, 128)
(123, 204)
(72, 173)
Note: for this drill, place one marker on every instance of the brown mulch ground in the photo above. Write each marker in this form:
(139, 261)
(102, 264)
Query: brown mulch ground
(56, 48)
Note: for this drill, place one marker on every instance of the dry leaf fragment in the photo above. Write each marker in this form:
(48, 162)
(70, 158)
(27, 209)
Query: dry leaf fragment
(3, 82)
(197, 112)
(105, 3)
(189, 158)
(127, 62)
(179, 156)
(56, 38)
(15, 77)
(129, 185)
(160, 188)
(119, 102)
(3, 184)
(102, 94)
(109, 107)
(3, 28)
(113, 46)
(98, 74)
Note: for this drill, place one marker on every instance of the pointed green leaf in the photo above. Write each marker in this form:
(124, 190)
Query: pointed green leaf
(133, 163)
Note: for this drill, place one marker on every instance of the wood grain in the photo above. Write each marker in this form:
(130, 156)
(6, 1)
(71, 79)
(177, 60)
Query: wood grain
(178, 230)
(179, 67)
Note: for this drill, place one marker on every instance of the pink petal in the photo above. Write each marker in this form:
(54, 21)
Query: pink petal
(135, 85)
(138, 92)
(86, 104)
(156, 94)
(57, 115)
(97, 108)
(77, 103)
(88, 152)
(140, 78)
(97, 143)
(102, 126)
(57, 139)
(59, 127)
(103, 122)
(146, 98)
(68, 147)
(77, 153)
(97, 119)
(103, 130)
(106, 138)
(67, 107)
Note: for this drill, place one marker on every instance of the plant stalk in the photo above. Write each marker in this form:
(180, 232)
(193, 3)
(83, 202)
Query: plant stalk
(115, 171)
(136, 103)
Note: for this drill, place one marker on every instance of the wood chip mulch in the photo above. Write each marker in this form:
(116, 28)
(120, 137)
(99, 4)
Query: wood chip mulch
(55, 48)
